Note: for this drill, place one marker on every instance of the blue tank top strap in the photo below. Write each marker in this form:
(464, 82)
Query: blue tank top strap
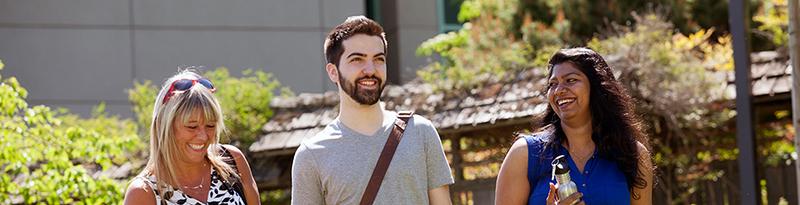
(535, 163)
(531, 160)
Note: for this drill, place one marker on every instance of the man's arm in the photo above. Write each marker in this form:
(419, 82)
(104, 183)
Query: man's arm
(440, 196)
(306, 184)
(439, 175)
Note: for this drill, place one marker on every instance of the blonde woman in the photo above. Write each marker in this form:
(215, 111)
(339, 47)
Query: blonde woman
(187, 165)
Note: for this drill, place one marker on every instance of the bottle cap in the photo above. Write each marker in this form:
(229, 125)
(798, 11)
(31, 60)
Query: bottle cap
(560, 165)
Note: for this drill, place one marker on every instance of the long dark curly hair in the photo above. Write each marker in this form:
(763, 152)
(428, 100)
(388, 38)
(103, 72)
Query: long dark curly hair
(616, 129)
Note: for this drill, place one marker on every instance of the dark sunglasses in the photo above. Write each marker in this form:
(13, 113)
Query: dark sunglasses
(185, 84)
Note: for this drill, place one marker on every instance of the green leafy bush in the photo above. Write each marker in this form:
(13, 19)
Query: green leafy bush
(53, 157)
(464, 59)
(773, 21)
(588, 18)
(524, 34)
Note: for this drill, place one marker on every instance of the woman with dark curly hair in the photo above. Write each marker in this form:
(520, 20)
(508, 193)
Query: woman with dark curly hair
(590, 120)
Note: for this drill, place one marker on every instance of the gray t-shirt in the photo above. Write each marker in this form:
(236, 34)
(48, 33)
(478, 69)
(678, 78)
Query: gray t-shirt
(335, 165)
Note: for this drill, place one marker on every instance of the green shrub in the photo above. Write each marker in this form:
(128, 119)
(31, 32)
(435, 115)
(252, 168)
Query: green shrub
(483, 50)
(520, 34)
(53, 157)
(773, 21)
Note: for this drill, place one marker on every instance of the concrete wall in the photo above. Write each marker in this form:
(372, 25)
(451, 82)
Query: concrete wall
(77, 53)
(408, 23)
(414, 28)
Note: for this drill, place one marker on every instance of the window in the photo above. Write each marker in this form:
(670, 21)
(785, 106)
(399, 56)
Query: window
(448, 15)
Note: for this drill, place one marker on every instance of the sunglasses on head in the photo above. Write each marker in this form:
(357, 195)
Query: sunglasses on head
(185, 84)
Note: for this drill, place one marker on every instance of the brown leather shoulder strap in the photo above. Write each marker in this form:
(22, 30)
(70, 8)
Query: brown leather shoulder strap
(386, 157)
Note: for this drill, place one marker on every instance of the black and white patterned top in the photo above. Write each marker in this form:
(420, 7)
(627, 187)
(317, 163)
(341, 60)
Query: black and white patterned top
(218, 193)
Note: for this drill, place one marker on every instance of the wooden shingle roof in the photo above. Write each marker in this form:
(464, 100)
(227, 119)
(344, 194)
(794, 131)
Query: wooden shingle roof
(771, 74)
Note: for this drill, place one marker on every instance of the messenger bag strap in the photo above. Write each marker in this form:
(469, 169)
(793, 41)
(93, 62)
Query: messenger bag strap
(386, 157)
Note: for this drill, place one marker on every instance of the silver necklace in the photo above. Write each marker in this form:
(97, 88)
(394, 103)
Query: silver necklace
(199, 186)
(578, 157)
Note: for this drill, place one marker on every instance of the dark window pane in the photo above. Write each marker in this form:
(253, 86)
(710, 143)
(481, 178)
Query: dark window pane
(451, 8)
(373, 10)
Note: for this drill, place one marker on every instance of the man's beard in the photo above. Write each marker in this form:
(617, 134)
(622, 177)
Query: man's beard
(364, 97)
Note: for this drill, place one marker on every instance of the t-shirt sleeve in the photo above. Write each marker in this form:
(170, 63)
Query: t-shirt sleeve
(438, 169)
(306, 183)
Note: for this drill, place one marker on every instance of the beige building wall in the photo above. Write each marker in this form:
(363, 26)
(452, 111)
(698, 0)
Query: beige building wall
(407, 23)
(76, 54)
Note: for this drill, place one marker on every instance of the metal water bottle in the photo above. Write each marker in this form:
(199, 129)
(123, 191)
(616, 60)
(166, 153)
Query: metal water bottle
(564, 186)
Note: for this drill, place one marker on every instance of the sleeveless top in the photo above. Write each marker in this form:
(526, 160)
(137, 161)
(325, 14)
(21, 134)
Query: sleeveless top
(601, 182)
(218, 193)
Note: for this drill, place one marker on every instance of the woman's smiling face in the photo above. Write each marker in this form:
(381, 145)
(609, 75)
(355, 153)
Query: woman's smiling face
(568, 92)
(193, 136)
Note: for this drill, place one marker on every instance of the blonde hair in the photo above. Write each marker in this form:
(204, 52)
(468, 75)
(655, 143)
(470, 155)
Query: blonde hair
(180, 106)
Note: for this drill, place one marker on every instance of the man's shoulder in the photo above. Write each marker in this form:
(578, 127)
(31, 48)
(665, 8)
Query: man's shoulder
(422, 127)
(310, 147)
(316, 141)
(421, 122)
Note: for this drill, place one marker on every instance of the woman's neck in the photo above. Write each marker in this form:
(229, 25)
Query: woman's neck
(579, 135)
(191, 170)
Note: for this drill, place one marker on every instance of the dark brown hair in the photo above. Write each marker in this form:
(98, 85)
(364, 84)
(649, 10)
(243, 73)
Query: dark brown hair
(353, 25)
(616, 128)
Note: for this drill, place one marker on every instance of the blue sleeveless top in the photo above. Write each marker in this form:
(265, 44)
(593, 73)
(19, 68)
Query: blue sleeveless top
(601, 181)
